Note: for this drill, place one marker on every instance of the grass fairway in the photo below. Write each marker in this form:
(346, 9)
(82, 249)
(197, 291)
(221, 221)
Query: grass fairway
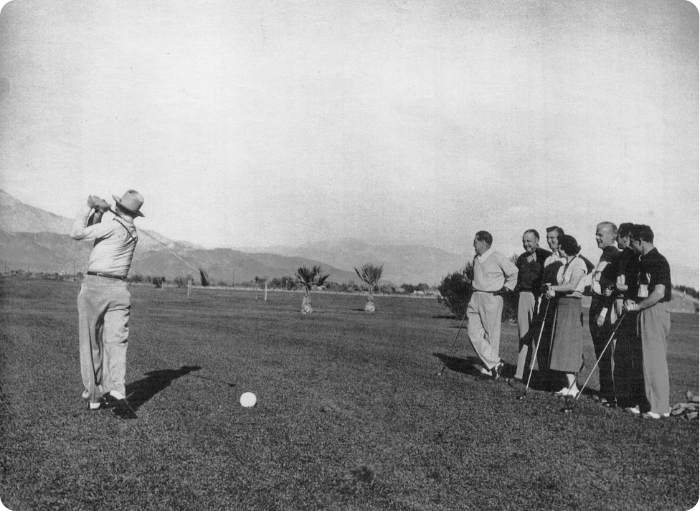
(350, 414)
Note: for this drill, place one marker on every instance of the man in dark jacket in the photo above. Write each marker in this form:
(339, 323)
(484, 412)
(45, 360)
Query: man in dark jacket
(530, 273)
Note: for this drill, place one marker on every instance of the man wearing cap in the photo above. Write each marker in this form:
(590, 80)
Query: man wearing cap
(494, 275)
(104, 301)
(530, 266)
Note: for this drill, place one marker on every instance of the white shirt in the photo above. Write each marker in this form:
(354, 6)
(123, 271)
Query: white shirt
(493, 271)
(115, 241)
(576, 271)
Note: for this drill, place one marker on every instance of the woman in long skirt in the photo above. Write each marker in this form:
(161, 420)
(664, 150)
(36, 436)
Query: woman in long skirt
(567, 343)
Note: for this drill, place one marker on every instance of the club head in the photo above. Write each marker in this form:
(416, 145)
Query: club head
(521, 396)
(568, 405)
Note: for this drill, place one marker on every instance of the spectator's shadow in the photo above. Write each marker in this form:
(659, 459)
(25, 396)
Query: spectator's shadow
(466, 366)
(140, 391)
(470, 365)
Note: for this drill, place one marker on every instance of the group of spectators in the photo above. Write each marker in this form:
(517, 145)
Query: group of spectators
(629, 318)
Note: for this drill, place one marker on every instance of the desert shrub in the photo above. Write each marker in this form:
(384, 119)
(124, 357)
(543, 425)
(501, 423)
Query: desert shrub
(456, 290)
(510, 308)
(181, 281)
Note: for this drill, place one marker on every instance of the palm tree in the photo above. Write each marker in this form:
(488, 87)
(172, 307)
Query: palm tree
(370, 275)
(309, 278)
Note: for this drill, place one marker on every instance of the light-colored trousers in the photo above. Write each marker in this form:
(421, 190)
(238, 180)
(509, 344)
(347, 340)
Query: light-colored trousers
(484, 327)
(103, 316)
(653, 327)
(526, 312)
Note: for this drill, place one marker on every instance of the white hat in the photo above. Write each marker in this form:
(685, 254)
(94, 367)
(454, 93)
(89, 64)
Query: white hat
(131, 201)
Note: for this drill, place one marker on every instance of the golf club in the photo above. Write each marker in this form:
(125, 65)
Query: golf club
(204, 277)
(444, 365)
(568, 408)
(214, 380)
(534, 355)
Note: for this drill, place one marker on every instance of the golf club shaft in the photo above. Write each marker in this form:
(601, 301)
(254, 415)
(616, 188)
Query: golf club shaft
(537, 347)
(612, 335)
(454, 343)
(161, 243)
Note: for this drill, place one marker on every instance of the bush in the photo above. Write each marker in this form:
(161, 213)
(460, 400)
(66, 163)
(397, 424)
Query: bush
(510, 308)
(181, 281)
(456, 291)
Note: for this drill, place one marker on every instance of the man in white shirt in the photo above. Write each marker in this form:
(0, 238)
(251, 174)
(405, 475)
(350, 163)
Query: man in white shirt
(494, 275)
(104, 301)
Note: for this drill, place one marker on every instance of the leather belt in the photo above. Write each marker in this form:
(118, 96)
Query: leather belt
(106, 275)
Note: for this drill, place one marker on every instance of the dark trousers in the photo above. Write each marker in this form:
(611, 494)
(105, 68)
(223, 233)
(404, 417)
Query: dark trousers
(601, 335)
(546, 378)
(629, 364)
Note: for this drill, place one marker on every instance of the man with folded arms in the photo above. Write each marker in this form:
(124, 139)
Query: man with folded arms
(104, 301)
(530, 266)
(494, 275)
(653, 320)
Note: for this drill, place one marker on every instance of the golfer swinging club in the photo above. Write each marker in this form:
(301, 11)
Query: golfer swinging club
(104, 301)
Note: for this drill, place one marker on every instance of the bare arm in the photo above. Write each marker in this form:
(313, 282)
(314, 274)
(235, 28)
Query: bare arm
(654, 297)
(569, 287)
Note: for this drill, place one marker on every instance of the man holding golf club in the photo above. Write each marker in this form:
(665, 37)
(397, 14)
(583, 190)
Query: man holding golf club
(628, 372)
(530, 266)
(494, 275)
(653, 320)
(104, 301)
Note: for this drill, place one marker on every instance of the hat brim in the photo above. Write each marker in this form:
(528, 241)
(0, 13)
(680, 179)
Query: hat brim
(119, 201)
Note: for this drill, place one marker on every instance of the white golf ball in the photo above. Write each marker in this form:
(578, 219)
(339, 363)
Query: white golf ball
(248, 399)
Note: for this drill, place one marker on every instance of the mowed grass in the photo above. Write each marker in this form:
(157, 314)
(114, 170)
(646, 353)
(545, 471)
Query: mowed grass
(350, 413)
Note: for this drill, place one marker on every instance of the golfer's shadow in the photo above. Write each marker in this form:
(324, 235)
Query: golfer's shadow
(466, 366)
(140, 391)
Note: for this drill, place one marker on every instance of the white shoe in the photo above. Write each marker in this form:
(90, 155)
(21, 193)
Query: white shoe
(563, 392)
(482, 370)
(633, 410)
(654, 415)
(574, 391)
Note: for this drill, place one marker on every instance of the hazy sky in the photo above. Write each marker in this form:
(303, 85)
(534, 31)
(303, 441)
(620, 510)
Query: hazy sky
(257, 123)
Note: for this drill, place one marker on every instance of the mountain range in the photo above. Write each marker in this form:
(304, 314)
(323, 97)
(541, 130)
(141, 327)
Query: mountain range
(32, 239)
(409, 264)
